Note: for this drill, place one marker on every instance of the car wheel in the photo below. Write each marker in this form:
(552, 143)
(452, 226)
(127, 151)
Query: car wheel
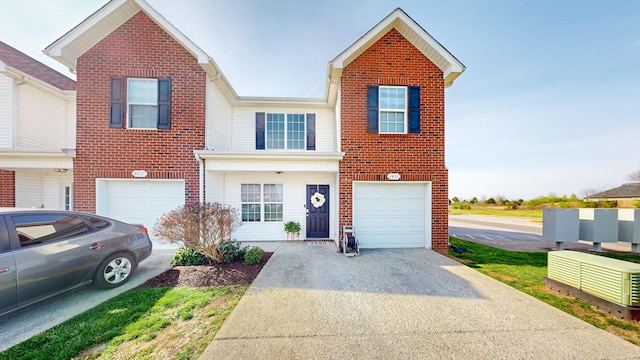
(116, 270)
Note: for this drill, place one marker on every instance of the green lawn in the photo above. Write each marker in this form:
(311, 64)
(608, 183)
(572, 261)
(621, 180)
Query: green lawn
(179, 322)
(526, 213)
(526, 271)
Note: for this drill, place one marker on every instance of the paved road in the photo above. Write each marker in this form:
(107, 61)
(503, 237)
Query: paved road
(26, 323)
(513, 234)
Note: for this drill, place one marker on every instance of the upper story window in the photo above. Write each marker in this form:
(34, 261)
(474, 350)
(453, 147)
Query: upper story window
(142, 103)
(285, 131)
(148, 103)
(393, 109)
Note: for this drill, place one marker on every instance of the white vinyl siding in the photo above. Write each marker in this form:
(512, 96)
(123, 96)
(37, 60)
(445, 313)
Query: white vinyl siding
(6, 112)
(219, 116)
(244, 126)
(40, 188)
(28, 190)
(293, 206)
(42, 119)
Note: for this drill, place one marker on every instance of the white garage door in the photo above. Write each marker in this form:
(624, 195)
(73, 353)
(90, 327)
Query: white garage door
(392, 215)
(138, 201)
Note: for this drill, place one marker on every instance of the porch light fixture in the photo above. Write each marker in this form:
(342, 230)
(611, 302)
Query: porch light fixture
(62, 171)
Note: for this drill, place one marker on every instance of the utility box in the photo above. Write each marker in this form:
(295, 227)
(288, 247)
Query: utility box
(599, 225)
(629, 225)
(560, 225)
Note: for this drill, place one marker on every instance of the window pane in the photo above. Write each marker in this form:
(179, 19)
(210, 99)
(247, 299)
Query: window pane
(393, 98)
(391, 122)
(275, 131)
(250, 192)
(251, 212)
(295, 131)
(143, 116)
(37, 229)
(273, 193)
(272, 212)
(142, 91)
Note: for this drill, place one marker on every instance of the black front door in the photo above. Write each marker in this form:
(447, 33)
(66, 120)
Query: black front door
(317, 211)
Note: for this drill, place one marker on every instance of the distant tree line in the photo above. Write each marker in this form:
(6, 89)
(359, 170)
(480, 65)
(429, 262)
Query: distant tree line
(550, 201)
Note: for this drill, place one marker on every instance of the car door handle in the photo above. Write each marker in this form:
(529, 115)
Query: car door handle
(96, 246)
(4, 270)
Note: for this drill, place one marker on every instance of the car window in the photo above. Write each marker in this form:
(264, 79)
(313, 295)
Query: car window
(97, 223)
(41, 228)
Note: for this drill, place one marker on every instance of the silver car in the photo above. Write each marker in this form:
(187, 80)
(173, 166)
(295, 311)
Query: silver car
(46, 252)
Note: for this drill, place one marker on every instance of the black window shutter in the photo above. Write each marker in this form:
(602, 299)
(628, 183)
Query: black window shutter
(164, 103)
(116, 111)
(311, 131)
(414, 109)
(260, 126)
(372, 109)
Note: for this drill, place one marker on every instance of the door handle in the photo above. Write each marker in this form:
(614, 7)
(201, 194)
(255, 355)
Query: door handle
(96, 246)
(4, 270)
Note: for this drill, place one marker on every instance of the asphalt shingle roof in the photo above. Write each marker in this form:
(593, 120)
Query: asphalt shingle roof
(624, 191)
(33, 67)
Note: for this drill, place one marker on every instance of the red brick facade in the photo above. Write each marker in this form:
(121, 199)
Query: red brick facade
(7, 188)
(393, 60)
(139, 48)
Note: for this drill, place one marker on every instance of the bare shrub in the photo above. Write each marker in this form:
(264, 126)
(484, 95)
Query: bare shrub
(202, 227)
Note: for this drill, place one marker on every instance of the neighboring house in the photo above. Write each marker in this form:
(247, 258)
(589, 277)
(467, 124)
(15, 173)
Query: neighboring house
(158, 125)
(626, 195)
(37, 133)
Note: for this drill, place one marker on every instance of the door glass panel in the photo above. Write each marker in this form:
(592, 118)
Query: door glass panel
(38, 229)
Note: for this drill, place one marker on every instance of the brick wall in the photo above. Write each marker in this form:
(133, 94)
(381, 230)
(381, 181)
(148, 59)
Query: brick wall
(139, 48)
(392, 60)
(7, 188)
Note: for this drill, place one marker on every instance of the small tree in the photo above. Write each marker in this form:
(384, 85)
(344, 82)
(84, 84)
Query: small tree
(202, 227)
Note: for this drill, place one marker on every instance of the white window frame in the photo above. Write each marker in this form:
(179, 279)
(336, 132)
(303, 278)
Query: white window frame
(134, 103)
(263, 202)
(389, 110)
(286, 131)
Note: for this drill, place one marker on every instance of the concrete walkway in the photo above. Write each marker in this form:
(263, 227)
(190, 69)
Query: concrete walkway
(310, 302)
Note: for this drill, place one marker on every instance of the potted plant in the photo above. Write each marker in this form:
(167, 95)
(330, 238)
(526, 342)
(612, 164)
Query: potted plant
(292, 228)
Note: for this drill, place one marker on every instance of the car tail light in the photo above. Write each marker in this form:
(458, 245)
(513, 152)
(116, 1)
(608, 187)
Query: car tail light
(144, 229)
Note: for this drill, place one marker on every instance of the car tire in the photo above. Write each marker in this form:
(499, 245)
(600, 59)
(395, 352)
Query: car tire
(114, 271)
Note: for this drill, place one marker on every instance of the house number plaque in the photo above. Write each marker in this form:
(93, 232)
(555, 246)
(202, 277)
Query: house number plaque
(139, 173)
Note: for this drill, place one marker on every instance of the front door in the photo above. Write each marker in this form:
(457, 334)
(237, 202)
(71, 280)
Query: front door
(317, 211)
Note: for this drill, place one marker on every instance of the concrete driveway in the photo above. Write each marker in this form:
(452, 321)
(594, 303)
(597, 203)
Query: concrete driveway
(310, 302)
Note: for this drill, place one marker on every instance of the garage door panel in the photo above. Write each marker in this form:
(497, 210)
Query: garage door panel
(139, 201)
(391, 215)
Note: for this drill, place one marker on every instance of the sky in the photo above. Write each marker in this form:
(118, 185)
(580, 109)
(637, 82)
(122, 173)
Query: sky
(549, 103)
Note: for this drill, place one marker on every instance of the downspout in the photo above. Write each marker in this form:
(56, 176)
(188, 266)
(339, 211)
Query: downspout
(14, 113)
(201, 176)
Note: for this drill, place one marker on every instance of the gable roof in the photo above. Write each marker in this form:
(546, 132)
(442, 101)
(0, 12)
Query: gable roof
(425, 43)
(69, 47)
(12, 58)
(631, 190)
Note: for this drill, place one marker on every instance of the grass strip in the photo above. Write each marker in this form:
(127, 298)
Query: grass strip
(526, 271)
(135, 316)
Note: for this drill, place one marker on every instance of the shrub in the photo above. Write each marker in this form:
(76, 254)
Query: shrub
(253, 256)
(202, 227)
(232, 250)
(189, 257)
(463, 206)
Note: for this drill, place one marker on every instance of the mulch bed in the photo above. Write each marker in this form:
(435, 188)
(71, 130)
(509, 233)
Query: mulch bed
(234, 273)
